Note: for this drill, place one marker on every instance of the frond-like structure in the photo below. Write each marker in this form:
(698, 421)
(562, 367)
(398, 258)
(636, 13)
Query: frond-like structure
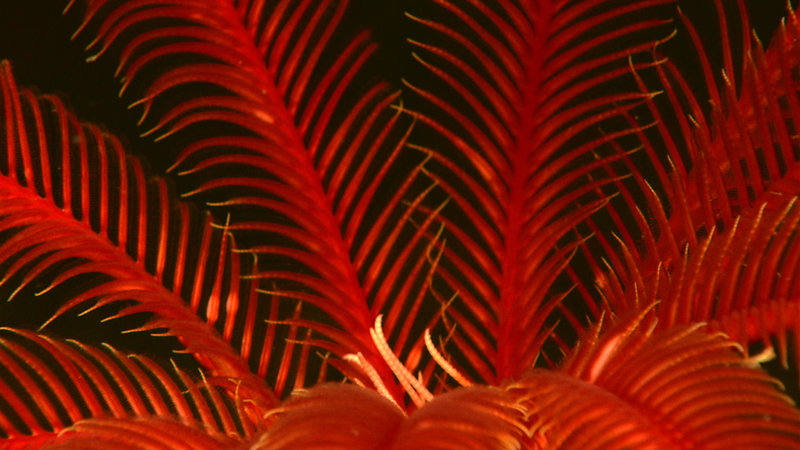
(344, 416)
(519, 93)
(71, 234)
(155, 433)
(76, 393)
(630, 386)
(294, 152)
(626, 385)
(725, 249)
(352, 417)
(74, 247)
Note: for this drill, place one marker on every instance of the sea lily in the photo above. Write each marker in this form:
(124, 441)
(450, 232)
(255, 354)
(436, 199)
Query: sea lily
(526, 226)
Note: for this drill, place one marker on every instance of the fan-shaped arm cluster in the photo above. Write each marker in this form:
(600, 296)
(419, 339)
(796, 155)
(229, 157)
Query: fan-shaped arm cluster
(70, 236)
(626, 385)
(305, 164)
(517, 92)
(725, 249)
(77, 393)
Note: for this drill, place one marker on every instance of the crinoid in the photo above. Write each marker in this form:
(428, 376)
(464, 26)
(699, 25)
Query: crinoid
(474, 224)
